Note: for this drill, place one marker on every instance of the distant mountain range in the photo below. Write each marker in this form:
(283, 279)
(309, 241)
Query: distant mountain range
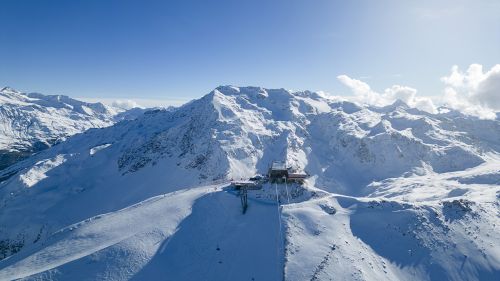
(31, 122)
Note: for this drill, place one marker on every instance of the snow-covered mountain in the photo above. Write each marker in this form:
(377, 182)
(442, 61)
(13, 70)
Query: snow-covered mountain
(394, 194)
(33, 122)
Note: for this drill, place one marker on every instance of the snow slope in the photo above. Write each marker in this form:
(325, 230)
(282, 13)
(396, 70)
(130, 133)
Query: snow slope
(31, 122)
(394, 194)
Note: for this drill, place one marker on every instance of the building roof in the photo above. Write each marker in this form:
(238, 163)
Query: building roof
(278, 165)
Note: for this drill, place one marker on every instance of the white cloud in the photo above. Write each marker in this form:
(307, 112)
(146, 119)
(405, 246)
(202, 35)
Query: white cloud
(357, 86)
(361, 90)
(125, 104)
(364, 94)
(473, 92)
(137, 102)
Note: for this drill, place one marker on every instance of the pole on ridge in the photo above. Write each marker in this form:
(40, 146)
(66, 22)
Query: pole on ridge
(287, 194)
(280, 237)
(244, 199)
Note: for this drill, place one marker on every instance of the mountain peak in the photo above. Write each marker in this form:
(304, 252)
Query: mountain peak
(400, 103)
(230, 90)
(8, 90)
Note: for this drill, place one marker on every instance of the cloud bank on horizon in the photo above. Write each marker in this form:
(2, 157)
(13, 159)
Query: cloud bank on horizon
(129, 103)
(474, 92)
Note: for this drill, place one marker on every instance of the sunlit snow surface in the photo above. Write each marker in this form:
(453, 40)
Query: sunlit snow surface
(394, 194)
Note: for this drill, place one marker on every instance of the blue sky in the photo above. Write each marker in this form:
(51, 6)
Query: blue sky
(183, 49)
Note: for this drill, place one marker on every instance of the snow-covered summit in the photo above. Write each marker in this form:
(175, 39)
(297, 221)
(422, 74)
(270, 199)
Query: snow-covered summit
(375, 172)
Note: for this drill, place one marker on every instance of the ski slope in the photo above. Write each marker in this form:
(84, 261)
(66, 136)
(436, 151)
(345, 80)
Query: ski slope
(136, 242)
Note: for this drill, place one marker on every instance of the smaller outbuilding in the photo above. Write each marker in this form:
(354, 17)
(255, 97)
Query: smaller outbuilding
(248, 185)
(296, 177)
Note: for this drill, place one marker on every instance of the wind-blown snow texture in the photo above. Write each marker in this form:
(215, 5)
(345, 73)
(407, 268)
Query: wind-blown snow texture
(33, 122)
(394, 194)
